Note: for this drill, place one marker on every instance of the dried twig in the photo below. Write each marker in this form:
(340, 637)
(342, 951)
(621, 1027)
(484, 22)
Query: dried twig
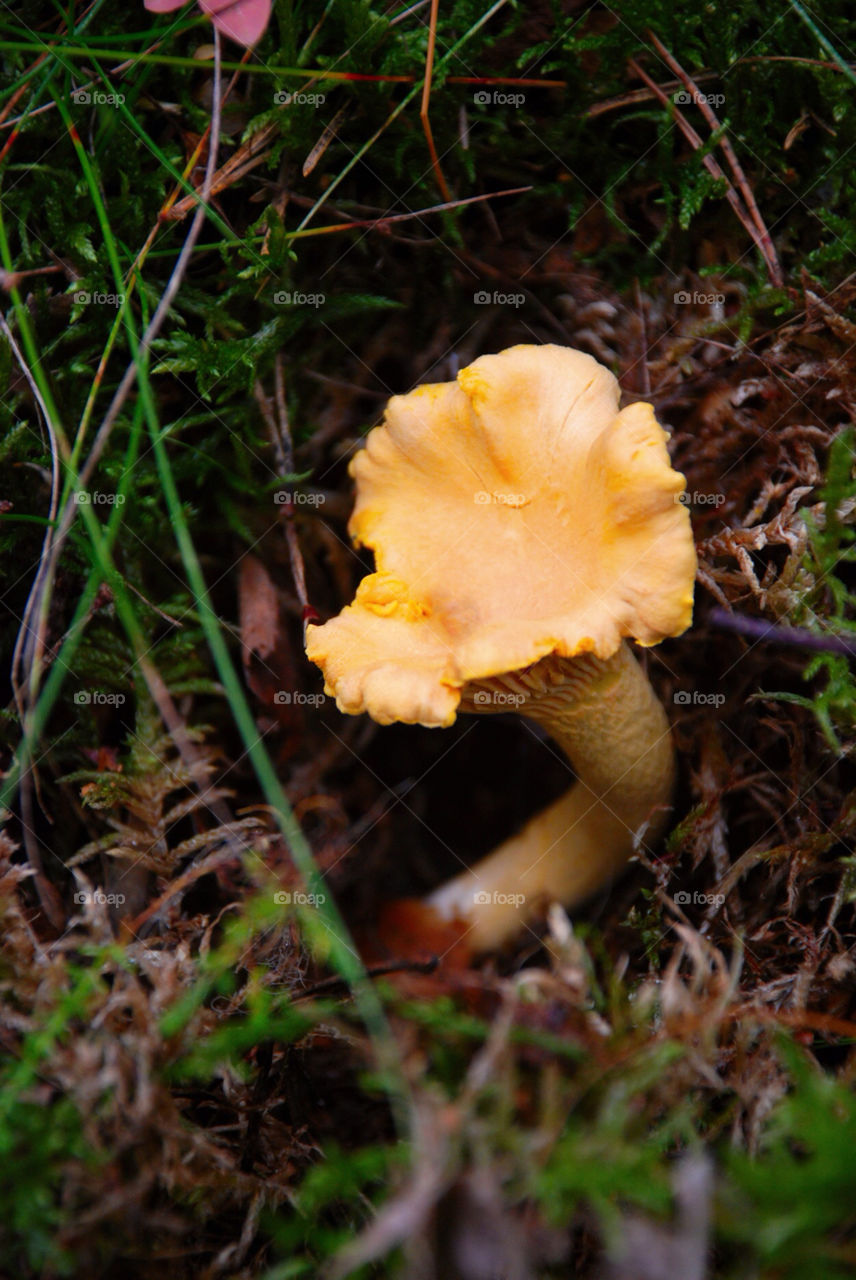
(328, 134)
(768, 249)
(339, 987)
(713, 167)
(386, 220)
(426, 98)
(280, 435)
(772, 633)
(645, 374)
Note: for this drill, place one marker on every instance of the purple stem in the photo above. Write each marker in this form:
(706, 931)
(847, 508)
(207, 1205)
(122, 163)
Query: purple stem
(770, 633)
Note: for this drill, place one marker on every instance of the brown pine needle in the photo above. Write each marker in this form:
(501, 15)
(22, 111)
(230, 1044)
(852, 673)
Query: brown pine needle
(388, 219)
(713, 167)
(770, 256)
(426, 98)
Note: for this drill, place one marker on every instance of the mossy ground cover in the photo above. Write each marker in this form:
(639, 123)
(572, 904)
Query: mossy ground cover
(197, 1077)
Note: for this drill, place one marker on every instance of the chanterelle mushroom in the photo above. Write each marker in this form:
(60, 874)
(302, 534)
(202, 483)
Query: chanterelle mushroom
(522, 527)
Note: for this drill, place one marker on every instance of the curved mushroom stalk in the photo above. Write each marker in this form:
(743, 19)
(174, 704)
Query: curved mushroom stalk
(606, 718)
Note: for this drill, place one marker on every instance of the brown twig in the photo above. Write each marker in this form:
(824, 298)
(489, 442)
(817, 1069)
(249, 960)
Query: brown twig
(713, 167)
(426, 98)
(643, 336)
(380, 223)
(280, 436)
(808, 1019)
(212, 862)
(328, 133)
(12, 279)
(634, 96)
(338, 985)
(700, 99)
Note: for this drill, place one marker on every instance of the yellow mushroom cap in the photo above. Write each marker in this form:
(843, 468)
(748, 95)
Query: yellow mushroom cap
(512, 513)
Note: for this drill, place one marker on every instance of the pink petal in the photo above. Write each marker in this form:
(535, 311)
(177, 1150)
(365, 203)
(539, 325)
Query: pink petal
(243, 21)
(162, 6)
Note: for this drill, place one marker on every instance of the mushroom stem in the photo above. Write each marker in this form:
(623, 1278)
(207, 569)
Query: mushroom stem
(605, 716)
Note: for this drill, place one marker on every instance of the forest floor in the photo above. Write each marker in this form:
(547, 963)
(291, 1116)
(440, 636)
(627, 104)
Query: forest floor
(199, 1075)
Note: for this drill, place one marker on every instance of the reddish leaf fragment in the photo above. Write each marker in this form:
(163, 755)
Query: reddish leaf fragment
(243, 21)
(269, 666)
